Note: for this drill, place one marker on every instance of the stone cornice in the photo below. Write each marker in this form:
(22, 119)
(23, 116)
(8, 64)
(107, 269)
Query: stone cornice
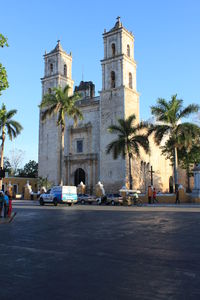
(74, 158)
(61, 52)
(118, 30)
(118, 57)
(56, 76)
(85, 127)
(88, 102)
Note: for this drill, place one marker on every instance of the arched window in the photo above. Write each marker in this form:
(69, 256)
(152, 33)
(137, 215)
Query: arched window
(128, 50)
(112, 77)
(65, 70)
(51, 68)
(113, 49)
(130, 84)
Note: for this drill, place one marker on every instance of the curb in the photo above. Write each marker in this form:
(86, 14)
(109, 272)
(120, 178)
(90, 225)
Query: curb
(7, 220)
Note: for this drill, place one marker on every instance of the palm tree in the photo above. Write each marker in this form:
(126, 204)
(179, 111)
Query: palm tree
(169, 115)
(188, 148)
(60, 103)
(128, 141)
(9, 127)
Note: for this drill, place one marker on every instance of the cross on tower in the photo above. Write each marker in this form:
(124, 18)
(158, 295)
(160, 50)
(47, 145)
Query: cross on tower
(118, 19)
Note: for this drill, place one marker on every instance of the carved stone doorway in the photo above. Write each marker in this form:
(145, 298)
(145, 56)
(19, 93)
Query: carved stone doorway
(79, 176)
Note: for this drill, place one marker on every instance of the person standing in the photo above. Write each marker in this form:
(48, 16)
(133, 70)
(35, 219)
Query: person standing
(1, 203)
(155, 200)
(150, 194)
(6, 204)
(177, 196)
(10, 205)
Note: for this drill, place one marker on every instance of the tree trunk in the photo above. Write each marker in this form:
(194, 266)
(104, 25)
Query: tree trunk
(61, 155)
(130, 175)
(2, 153)
(175, 168)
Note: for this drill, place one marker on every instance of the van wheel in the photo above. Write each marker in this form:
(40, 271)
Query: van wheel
(41, 202)
(55, 202)
(82, 201)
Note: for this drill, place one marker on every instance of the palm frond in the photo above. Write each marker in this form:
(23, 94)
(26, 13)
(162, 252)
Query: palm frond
(11, 113)
(142, 141)
(49, 112)
(116, 129)
(48, 100)
(192, 108)
(117, 147)
(135, 148)
(16, 126)
(66, 89)
(159, 132)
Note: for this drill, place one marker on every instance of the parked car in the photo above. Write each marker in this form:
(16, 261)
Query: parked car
(59, 194)
(85, 198)
(113, 199)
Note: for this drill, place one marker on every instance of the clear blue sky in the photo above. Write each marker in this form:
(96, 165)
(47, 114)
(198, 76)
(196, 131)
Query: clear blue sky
(167, 51)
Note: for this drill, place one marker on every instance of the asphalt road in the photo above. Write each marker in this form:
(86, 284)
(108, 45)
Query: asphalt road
(92, 252)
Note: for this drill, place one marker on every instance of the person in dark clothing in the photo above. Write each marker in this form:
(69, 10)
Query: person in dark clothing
(177, 196)
(6, 204)
(150, 193)
(155, 200)
(1, 203)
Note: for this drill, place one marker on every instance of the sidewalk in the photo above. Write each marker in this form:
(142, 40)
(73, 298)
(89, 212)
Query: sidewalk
(8, 219)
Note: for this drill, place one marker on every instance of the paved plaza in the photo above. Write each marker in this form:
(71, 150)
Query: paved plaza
(100, 252)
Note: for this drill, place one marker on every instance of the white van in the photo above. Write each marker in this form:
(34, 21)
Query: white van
(59, 194)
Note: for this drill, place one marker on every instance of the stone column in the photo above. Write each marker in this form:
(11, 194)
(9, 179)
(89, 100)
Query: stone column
(81, 188)
(10, 189)
(27, 191)
(99, 190)
(196, 189)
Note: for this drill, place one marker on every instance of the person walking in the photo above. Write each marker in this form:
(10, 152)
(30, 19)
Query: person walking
(6, 204)
(1, 203)
(150, 192)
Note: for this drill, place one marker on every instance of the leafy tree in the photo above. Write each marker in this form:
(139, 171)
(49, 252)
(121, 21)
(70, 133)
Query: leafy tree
(3, 41)
(44, 182)
(168, 116)
(187, 160)
(30, 170)
(188, 149)
(60, 103)
(7, 165)
(3, 74)
(9, 127)
(16, 158)
(128, 141)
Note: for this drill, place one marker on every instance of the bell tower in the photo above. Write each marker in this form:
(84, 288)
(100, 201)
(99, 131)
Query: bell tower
(57, 70)
(119, 98)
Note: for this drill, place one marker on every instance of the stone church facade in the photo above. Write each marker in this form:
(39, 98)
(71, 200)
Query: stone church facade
(85, 157)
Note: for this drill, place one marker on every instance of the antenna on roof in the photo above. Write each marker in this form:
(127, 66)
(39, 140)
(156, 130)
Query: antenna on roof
(82, 72)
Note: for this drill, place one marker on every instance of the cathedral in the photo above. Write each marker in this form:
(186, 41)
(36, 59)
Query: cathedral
(85, 157)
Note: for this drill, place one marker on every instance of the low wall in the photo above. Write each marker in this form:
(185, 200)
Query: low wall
(171, 198)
